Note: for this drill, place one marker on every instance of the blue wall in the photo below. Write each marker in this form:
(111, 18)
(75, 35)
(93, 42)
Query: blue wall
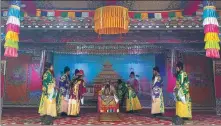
(92, 64)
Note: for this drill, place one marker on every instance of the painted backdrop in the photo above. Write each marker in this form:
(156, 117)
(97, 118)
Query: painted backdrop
(122, 64)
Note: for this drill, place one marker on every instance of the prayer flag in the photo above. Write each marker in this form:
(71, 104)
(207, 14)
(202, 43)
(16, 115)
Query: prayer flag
(22, 14)
(144, 15)
(150, 15)
(57, 13)
(172, 14)
(43, 13)
(25, 14)
(158, 16)
(64, 14)
(38, 13)
(131, 14)
(91, 14)
(50, 14)
(5, 13)
(78, 14)
(137, 15)
(178, 14)
(164, 15)
(71, 15)
(85, 14)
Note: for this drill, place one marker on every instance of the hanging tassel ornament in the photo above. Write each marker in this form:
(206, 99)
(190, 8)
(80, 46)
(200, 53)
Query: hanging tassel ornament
(211, 30)
(12, 30)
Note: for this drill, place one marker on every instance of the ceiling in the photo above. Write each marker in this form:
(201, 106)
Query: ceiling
(136, 5)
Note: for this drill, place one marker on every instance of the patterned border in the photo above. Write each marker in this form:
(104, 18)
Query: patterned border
(218, 106)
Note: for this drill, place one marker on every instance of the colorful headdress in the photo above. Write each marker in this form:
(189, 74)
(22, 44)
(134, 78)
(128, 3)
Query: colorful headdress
(81, 72)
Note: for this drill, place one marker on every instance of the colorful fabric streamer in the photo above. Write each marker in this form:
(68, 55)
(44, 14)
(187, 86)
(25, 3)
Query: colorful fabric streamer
(211, 30)
(12, 29)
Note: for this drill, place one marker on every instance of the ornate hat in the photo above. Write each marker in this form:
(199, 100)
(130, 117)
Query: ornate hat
(81, 72)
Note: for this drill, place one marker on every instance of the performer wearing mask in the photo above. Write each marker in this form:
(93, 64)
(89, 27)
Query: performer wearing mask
(47, 105)
(76, 94)
(64, 85)
(157, 93)
(183, 100)
(132, 101)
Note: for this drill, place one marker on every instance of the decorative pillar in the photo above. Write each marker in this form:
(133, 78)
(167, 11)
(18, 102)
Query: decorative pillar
(12, 29)
(217, 84)
(211, 30)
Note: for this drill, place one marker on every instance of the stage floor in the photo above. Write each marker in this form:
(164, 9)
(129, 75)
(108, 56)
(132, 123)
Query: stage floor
(90, 117)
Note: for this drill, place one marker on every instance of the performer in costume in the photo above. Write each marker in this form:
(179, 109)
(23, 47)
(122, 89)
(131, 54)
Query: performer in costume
(183, 100)
(157, 93)
(64, 86)
(121, 91)
(132, 101)
(107, 99)
(47, 105)
(76, 94)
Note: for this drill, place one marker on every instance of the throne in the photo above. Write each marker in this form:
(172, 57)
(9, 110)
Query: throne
(107, 103)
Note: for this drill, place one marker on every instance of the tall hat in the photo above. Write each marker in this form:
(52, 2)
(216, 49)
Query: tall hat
(81, 72)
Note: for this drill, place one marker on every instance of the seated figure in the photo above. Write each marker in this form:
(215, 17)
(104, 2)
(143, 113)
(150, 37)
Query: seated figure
(107, 99)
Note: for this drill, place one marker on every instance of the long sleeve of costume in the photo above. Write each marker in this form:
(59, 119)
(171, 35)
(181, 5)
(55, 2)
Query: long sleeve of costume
(157, 87)
(45, 81)
(157, 96)
(183, 100)
(63, 84)
(136, 85)
(184, 83)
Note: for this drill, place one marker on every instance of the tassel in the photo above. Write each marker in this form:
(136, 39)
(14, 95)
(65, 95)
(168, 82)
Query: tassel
(13, 36)
(210, 20)
(209, 13)
(211, 30)
(12, 29)
(211, 36)
(13, 20)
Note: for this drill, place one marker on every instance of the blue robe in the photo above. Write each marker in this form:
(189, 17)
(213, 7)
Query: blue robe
(157, 96)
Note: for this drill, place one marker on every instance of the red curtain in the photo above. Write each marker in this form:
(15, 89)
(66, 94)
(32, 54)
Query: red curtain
(17, 79)
(2, 85)
(200, 72)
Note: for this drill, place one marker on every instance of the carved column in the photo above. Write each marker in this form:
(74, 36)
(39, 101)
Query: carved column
(217, 84)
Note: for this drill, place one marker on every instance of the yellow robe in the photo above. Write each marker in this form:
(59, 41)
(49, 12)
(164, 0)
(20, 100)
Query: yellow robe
(183, 109)
(48, 99)
(74, 103)
(132, 101)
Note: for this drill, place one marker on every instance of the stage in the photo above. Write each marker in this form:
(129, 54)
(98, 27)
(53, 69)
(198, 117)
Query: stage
(29, 116)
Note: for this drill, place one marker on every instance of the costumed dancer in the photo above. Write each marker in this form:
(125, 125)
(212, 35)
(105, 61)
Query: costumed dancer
(121, 91)
(76, 94)
(132, 101)
(64, 86)
(182, 94)
(47, 107)
(157, 93)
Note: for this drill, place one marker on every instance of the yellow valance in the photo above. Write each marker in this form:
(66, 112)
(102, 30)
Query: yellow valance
(111, 20)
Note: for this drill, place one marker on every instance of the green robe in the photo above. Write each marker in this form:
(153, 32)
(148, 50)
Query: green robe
(121, 91)
(48, 98)
(183, 100)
